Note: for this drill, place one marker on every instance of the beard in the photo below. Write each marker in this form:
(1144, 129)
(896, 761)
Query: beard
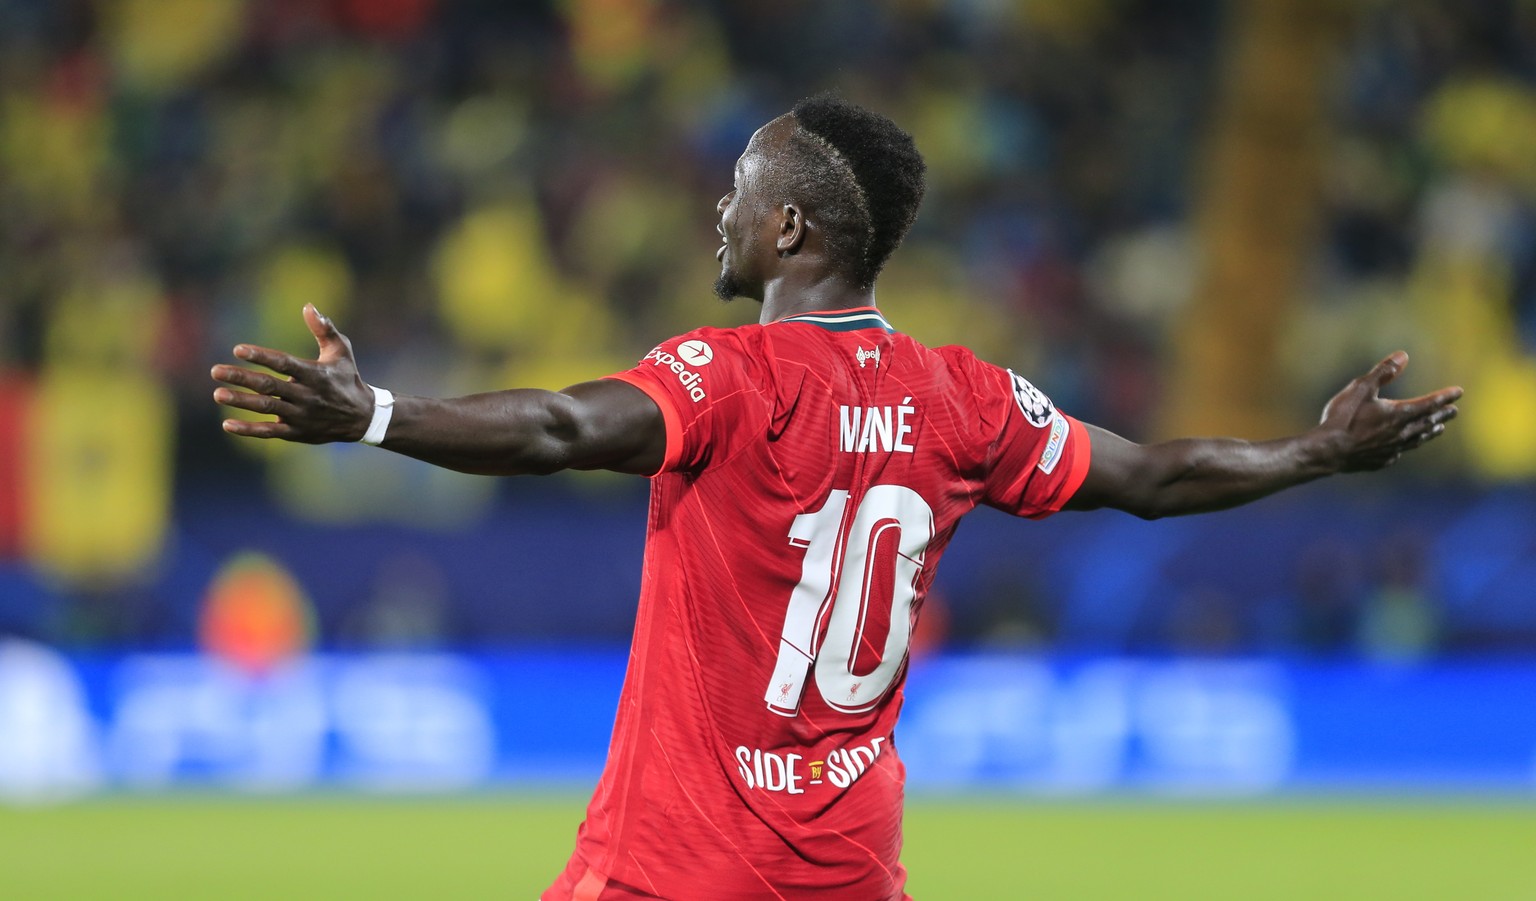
(728, 286)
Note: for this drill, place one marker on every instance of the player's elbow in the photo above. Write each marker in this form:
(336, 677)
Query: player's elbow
(1144, 480)
(1160, 496)
(1165, 484)
(1144, 505)
(554, 435)
(1154, 493)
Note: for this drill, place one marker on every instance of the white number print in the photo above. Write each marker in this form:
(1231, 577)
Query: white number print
(826, 624)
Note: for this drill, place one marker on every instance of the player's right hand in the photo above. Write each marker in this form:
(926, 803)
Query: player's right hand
(319, 401)
(1368, 431)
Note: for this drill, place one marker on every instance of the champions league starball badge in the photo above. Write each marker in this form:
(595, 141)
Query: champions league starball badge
(1032, 401)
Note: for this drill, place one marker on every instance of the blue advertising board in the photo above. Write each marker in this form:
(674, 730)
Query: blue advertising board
(451, 722)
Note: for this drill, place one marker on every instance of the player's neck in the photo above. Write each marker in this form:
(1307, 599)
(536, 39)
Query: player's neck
(792, 296)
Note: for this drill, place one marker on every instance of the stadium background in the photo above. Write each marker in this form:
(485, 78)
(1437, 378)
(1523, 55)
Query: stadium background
(1175, 217)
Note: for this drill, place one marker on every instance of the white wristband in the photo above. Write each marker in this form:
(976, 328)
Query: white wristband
(383, 408)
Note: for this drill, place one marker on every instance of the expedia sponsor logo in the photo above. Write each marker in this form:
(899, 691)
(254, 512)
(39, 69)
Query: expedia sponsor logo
(696, 353)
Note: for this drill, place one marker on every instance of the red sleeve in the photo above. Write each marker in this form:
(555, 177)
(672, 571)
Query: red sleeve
(1040, 455)
(705, 384)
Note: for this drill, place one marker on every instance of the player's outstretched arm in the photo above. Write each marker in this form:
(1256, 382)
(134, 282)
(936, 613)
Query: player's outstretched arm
(603, 424)
(1360, 430)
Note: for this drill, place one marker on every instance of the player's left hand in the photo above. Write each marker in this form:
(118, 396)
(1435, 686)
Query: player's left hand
(1368, 431)
(321, 400)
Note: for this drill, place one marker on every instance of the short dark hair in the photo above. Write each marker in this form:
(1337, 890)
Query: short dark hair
(859, 174)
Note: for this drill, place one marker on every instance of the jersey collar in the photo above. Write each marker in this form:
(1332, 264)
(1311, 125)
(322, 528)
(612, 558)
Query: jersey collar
(844, 320)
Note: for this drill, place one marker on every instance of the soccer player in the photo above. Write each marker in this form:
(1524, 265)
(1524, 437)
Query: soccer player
(807, 474)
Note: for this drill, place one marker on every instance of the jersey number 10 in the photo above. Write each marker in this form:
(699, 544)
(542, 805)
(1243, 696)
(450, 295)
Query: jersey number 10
(826, 623)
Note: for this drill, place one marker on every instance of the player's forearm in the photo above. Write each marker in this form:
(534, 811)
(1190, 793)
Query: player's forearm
(1360, 431)
(500, 433)
(1199, 475)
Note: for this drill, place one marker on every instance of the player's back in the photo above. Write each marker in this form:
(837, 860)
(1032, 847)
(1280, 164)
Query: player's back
(816, 469)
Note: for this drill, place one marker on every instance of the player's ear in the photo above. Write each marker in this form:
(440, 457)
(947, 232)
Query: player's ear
(791, 230)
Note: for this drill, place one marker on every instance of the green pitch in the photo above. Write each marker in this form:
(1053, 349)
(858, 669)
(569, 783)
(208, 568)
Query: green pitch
(507, 846)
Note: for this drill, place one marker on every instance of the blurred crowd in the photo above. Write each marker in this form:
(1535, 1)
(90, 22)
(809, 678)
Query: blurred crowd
(494, 193)
(487, 193)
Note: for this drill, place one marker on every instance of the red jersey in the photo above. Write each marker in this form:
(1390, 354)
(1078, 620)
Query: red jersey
(816, 468)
